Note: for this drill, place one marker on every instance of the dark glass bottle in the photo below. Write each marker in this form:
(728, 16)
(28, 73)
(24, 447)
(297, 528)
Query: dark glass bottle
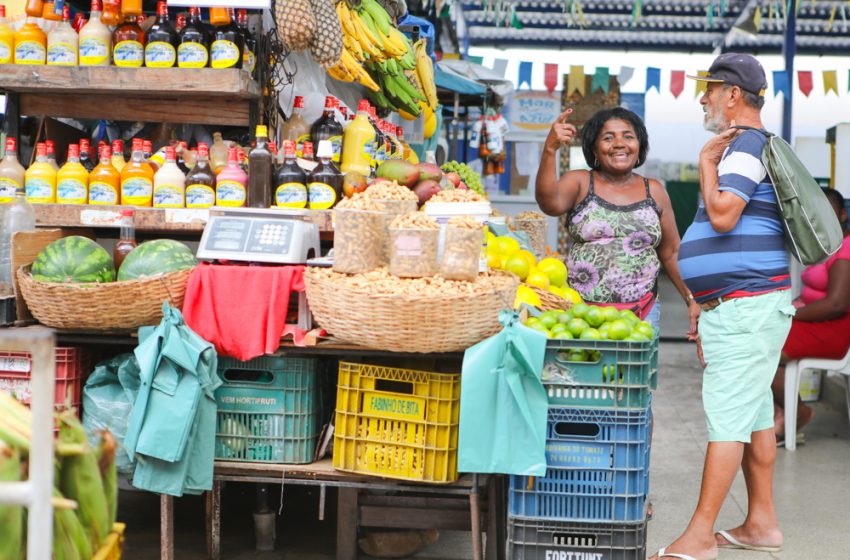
(162, 40)
(128, 43)
(260, 167)
(200, 181)
(194, 42)
(290, 181)
(324, 185)
(85, 155)
(327, 128)
(227, 46)
(249, 55)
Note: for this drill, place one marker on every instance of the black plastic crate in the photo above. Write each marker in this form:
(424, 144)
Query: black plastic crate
(532, 539)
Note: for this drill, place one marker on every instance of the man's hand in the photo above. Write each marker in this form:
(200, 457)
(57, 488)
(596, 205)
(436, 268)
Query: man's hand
(714, 148)
(694, 311)
(561, 133)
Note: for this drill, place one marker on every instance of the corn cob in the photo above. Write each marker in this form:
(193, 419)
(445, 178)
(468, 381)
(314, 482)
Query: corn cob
(109, 474)
(11, 516)
(67, 525)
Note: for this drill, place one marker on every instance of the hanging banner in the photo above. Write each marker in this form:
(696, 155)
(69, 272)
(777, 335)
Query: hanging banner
(634, 102)
(531, 113)
(701, 86)
(653, 79)
(830, 81)
(576, 80)
(600, 79)
(626, 73)
(550, 77)
(524, 74)
(677, 82)
(476, 59)
(805, 82)
(500, 65)
(780, 83)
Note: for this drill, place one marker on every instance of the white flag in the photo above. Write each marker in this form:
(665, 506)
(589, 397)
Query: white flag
(500, 65)
(626, 73)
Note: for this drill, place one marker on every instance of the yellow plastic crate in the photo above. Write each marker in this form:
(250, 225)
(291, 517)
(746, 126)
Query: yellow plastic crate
(111, 549)
(397, 423)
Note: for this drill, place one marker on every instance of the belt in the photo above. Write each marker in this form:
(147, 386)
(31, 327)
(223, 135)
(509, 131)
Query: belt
(712, 303)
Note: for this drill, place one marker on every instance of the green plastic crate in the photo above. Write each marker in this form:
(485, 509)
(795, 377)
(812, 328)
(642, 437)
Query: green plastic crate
(269, 410)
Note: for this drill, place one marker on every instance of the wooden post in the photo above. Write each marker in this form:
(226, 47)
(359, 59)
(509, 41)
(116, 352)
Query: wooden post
(166, 527)
(213, 506)
(346, 524)
(475, 520)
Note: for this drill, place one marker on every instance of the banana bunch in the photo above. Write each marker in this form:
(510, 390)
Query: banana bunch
(425, 74)
(400, 89)
(348, 69)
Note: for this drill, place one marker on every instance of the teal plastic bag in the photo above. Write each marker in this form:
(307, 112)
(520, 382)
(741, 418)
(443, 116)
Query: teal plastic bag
(503, 404)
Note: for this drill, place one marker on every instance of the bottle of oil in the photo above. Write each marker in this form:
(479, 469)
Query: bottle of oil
(296, 128)
(324, 186)
(194, 49)
(327, 128)
(260, 166)
(162, 40)
(228, 43)
(200, 181)
(291, 181)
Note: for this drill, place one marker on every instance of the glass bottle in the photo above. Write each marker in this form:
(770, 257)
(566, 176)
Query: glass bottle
(179, 22)
(7, 39)
(260, 168)
(118, 161)
(162, 40)
(11, 172)
(249, 55)
(218, 153)
(72, 181)
(19, 215)
(227, 42)
(85, 155)
(126, 238)
(104, 180)
(291, 180)
(95, 39)
(324, 185)
(200, 181)
(51, 154)
(137, 179)
(296, 128)
(63, 42)
(306, 161)
(40, 178)
(327, 128)
(112, 14)
(194, 43)
(30, 43)
(169, 183)
(230, 183)
(128, 41)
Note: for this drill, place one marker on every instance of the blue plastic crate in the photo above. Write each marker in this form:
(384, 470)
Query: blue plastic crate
(620, 374)
(531, 539)
(269, 410)
(598, 468)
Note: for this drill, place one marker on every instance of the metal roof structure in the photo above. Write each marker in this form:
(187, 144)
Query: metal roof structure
(680, 25)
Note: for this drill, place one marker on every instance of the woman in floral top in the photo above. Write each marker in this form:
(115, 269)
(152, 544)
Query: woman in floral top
(621, 224)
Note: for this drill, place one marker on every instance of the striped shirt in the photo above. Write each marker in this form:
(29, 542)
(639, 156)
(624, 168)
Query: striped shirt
(751, 259)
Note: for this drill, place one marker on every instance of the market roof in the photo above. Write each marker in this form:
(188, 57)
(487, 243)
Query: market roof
(686, 25)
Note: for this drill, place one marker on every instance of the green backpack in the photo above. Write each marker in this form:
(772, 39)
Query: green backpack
(812, 231)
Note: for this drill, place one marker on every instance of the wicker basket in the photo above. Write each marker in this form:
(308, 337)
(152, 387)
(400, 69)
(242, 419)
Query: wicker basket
(550, 301)
(407, 323)
(128, 304)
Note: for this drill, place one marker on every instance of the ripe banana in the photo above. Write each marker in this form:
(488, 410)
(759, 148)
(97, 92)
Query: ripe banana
(425, 73)
(340, 72)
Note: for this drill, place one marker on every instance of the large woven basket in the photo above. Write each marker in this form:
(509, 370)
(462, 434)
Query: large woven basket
(128, 304)
(550, 301)
(402, 323)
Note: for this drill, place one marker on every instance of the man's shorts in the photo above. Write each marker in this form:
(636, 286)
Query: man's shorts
(742, 340)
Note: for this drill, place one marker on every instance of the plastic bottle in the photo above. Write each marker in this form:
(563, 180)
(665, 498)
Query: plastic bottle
(296, 128)
(218, 153)
(162, 40)
(95, 40)
(118, 161)
(104, 180)
(85, 155)
(72, 181)
(131, 8)
(34, 8)
(230, 183)
(260, 169)
(200, 181)
(7, 39)
(126, 237)
(19, 215)
(40, 178)
(358, 145)
(49, 17)
(63, 42)
(30, 43)
(194, 41)
(112, 13)
(327, 128)
(169, 183)
(291, 181)
(324, 185)
(12, 173)
(137, 179)
(51, 154)
(406, 149)
(228, 43)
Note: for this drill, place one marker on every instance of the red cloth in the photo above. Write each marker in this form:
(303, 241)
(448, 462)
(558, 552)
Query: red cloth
(822, 339)
(242, 309)
(640, 308)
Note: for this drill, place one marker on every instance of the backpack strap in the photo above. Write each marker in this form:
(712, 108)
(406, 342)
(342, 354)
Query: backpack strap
(745, 127)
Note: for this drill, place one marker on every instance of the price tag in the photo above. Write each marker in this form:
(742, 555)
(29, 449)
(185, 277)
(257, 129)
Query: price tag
(91, 217)
(20, 365)
(186, 215)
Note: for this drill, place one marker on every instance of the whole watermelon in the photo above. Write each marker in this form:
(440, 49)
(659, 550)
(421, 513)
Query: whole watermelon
(73, 259)
(155, 257)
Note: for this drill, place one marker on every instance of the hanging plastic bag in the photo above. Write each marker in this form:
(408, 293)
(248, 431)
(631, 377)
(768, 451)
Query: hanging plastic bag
(503, 404)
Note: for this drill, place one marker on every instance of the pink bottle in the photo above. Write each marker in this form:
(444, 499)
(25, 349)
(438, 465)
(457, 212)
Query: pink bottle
(230, 182)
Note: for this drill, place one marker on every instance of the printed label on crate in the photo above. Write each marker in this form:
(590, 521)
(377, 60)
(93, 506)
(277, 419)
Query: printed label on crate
(401, 407)
(578, 454)
(100, 218)
(187, 215)
(240, 402)
(572, 555)
(9, 363)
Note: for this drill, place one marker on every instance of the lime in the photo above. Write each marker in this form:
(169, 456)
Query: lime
(507, 246)
(577, 356)
(528, 256)
(532, 321)
(555, 270)
(594, 316)
(559, 328)
(629, 316)
(539, 327)
(646, 330)
(548, 319)
(564, 335)
(619, 329)
(577, 326)
(537, 279)
(610, 313)
(590, 334)
(565, 317)
(518, 266)
(580, 310)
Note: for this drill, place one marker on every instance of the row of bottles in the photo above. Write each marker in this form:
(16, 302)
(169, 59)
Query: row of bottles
(228, 44)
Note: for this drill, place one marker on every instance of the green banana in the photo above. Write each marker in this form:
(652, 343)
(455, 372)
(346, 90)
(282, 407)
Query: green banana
(379, 99)
(406, 86)
(407, 61)
(379, 15)
(367, 20)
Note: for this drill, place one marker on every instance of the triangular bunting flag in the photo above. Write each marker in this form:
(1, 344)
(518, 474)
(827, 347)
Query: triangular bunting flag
(677, 82)
(653, 79)
(524, 74)
(701, 85)
(550, 77)
(805, 82)
(600, 79)
(476, 59)
(499, 66)
(626, 73)
(830, 81)
(576, 80)
(780, 83)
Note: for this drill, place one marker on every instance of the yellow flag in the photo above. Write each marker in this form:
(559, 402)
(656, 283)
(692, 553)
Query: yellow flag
(701, 86)
(830, 81)
(576, 80)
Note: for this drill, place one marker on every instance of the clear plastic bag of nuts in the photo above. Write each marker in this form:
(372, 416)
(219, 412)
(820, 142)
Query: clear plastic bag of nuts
(414, 238)
(392, 210)
(462, 252)
(534, 225)
(358, 236)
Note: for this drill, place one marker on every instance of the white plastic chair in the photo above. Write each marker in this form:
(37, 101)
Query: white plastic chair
(793, 371)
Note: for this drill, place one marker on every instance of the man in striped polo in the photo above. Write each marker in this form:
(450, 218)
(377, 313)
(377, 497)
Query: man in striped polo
(733, 260)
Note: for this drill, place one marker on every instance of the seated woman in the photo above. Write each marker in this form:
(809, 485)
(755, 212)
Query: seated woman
(821, 327)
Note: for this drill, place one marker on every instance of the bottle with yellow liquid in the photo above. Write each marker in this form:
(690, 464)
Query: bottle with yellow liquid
(137, 179)
(40, 178)
(11, 172)
(7, 39)
(95, 39)
(72, 181)
(358, 144)
(104, 180)
(63, 42)
(30, 43)
(118, 161)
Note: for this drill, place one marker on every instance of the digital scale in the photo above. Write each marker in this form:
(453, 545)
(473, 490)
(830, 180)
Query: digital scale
(281, 236)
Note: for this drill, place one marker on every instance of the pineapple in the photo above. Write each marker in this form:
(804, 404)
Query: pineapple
(326, 43)
(296, 24)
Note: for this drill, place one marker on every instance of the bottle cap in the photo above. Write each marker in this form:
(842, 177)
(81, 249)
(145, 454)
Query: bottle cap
(273, 148)
(363, 106)
(127, 212)
(170, 153)
(73, 151)
(262, 130)
(232, 154)
(84, 144)
(299, 102)
(241, 155)
(2, 11)
(105, 152)
(307, 150)
(161, 8)
(329, 102)
(51, 145)
(137, 145)
(344, 111)
(203, 149)
(373, 113)
(147, 146)
(326, 149)
(399, 131)
(41, 149)
(195, 11)
(289, 148)
(242, 15)
(181, 21)
(96, 6)
(117, 146)
(66, 13)
(11, 144)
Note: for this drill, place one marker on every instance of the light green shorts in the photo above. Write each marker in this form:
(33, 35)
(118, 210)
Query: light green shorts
(742, 339)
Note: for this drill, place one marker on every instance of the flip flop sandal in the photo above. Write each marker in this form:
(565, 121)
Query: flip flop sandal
(780, 439)
(662, 553)
(736, 544)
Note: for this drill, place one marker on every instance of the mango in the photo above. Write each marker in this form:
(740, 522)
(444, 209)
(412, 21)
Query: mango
(404, 173)
(430, 172)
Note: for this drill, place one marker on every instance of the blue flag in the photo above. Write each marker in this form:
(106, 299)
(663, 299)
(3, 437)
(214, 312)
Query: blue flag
(781, 83)
(653, 79)
(524, 74)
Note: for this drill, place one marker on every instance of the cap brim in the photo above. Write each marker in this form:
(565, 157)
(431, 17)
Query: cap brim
(705, 79)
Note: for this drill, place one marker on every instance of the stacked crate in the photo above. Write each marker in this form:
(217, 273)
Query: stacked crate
(592, 501)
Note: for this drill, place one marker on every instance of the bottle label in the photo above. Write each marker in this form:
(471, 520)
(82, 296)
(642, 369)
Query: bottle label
(167, 196)
(224, 54)
(7, 189)
(192, 55)
(322, 196)
(381, 153)
(336, 142)
(102, 193)
(94, 51)
(71, 191)
(62, 54)
(136, 190)
(5, 53)
(159, 157)
(160, 54)
(249, 61)
(291, 195)
(299, 149)
(129, 54)
(30, 52)
(39, 191)
(230, 193)
(199, 196)
(368, 150)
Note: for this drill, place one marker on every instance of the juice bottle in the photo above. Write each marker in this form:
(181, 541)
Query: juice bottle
(40, 178)
(358, 145)
(326, 128)
(227, 42)
(137, 179)
(324, 185)
(104, 180)
(406, 150)
(169, 183)
(218, 153)
(296, 128)
(194, 44)
(260, 168)
(95, 40)
(291, 180)
(200, 181)
(128, 40)
(30, 43)
(51, 154)
(49, 17)
(249, 54)
(72, 181)
(112, 15)
(7, 39)
(118, 160)
(162, 42)
(11, 172)
(85, 155)
(126, 237)
(230, 183)
(34, 8)
(399, 147)
(63, 42)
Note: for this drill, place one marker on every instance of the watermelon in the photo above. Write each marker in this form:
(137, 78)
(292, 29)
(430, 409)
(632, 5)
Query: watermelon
(156, 257)
(73, 259)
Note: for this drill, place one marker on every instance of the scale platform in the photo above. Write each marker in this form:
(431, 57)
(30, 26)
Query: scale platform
(280, 236)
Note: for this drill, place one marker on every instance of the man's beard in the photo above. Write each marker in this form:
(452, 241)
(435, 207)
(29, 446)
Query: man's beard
(715, 123)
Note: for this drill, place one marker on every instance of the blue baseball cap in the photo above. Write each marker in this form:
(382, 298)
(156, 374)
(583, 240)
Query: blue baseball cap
(736, 69)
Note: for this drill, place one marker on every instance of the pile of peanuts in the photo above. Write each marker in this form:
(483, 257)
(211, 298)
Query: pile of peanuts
(389, 190)
(529, 216)
(381, 282)
(360, 202)
(456, 195)
(465, 222)
(415, 220)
